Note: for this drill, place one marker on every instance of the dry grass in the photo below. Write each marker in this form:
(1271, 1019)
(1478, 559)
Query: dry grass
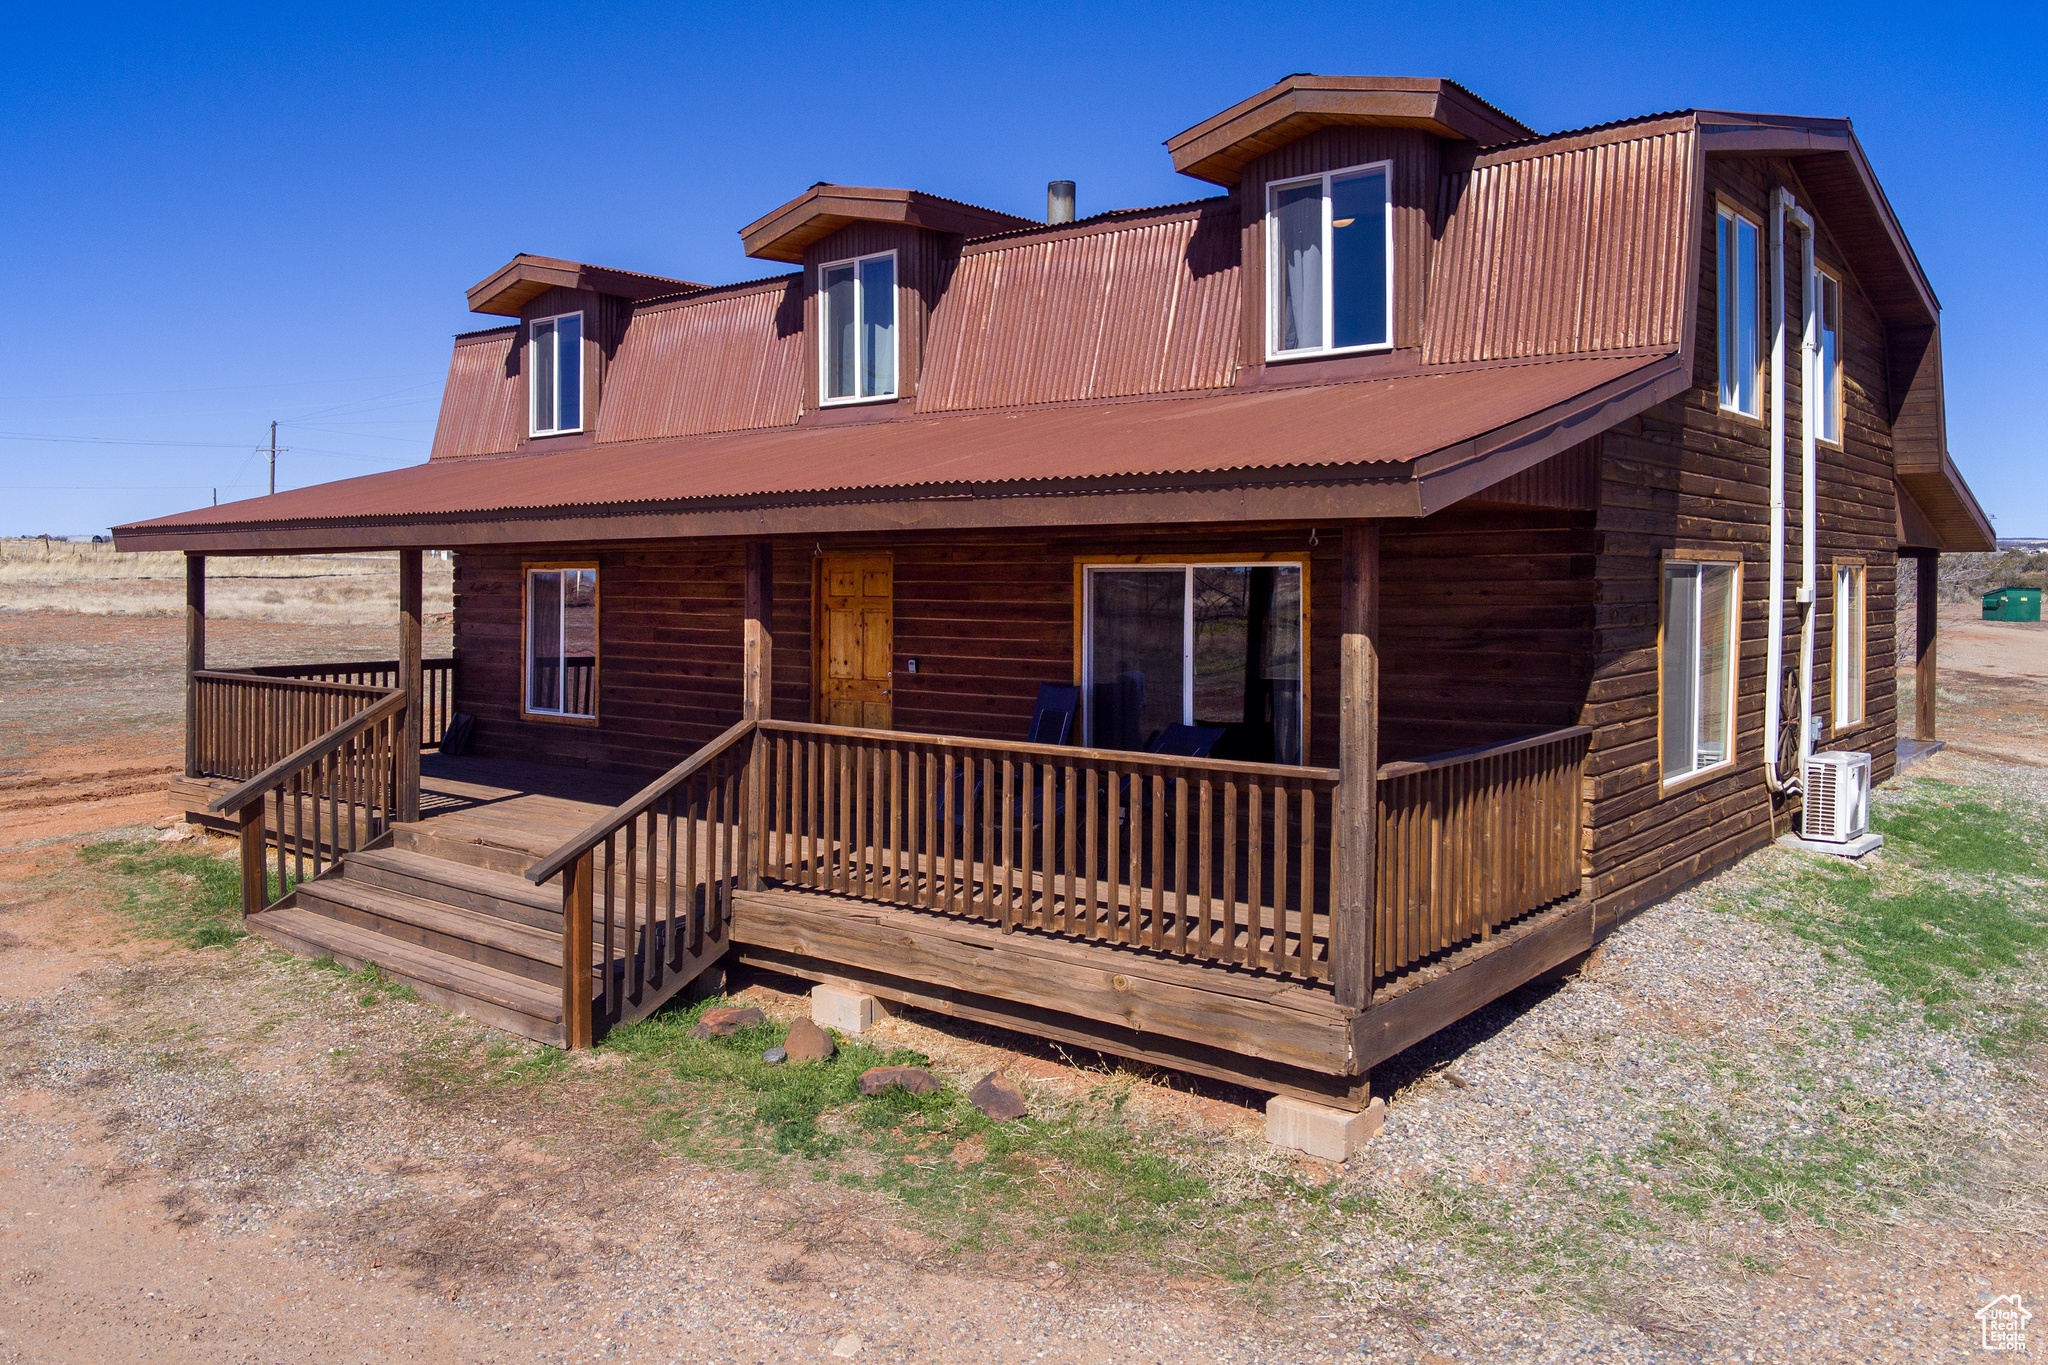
(97, 580)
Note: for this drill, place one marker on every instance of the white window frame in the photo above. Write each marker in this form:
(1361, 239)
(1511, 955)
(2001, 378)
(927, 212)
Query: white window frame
(1187, 633)
(1692, 717)
(859, 313)
(1726, 212)
(1835, 413)
(533, 425)
(1851, 703)
(1273, 272)
(527, 708)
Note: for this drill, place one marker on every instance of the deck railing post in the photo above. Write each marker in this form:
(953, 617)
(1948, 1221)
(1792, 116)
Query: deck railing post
(254, 890)
(757, 701)
(195, 654)
(407, 727)
(579, 904)
(1928, 563)
(1351, 890)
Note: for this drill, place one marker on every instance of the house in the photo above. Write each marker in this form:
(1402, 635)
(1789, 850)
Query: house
(1246, 634)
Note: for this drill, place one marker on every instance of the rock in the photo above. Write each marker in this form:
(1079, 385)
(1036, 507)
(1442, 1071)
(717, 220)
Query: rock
(847, 1346)
(915, 1079)
(726, 1020)
(998, 1096)
(808, 1043)
(775, 1056)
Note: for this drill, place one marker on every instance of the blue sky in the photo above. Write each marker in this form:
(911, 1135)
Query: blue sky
(219, 218)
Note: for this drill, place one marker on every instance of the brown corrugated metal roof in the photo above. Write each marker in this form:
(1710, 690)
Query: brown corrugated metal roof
(1149, 307)
(1383, 422)
(1569, 251)
(721, 360)
(480, 405)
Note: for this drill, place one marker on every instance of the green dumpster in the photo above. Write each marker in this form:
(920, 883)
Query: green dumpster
(2012, 604)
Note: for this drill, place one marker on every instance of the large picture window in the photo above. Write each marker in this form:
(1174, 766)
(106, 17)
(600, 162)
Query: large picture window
(857, 327)
(561, 641)
(1696, 692)
(1741, 356)
(556, 382)
(1211, 644)
(1827, 413)
(1851, 623)
(1329, 263)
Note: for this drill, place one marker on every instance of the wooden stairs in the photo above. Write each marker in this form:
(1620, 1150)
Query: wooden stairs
(449, 920)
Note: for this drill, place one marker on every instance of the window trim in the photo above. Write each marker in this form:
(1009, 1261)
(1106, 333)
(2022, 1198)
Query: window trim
(895, 330)
(533, 373)
(1272, 250)
(526, 573)
(1837, 393)
(1733, 558)
(1083, 663)
(1861, 572)
(1724, 207)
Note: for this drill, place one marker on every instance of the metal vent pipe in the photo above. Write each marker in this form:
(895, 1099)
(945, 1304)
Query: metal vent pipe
(1059, 201)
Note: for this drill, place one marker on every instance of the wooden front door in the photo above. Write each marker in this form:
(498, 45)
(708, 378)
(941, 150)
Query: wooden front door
(856, 639)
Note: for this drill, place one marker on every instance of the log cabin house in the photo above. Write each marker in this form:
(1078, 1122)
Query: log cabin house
(1246, 634)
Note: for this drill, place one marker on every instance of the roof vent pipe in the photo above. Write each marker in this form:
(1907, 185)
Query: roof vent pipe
(1059, 201)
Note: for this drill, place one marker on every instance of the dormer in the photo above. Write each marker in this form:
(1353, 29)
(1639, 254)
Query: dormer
(875, 262)
(571, 319)
(1336, 179)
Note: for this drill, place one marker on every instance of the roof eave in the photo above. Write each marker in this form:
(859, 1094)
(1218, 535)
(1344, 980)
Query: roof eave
(782, 234)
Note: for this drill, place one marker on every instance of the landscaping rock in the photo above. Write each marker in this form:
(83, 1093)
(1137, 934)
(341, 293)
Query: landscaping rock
(915, 1079)
(808, 1043)
(726, 1020)
(775, 1056)
(998, 1096)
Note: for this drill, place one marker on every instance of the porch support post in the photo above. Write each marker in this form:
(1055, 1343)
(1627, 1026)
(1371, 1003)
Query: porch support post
(409, 680)
(195, 654)
(757, 701)
(1358, 723)
(1924, 640)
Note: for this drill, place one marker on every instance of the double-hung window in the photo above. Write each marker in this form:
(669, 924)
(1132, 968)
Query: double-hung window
(561, 641)
(1850, 626)
(1211, 644)
(1329, 263)
(1827, 412)
(1696, 670)
(857, 329)
(555, 347)
(1740, 299)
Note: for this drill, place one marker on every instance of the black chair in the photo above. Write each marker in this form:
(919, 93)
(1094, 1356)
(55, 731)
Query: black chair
(1186, 741)
(1052, 718)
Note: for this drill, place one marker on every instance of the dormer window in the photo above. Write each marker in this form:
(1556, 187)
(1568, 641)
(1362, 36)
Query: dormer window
(1329, 263)
(857, 329)
(556, 350)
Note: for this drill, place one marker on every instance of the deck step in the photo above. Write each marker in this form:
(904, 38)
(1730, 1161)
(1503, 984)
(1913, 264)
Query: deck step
(458, 884)
(501, 999)
(503, 944)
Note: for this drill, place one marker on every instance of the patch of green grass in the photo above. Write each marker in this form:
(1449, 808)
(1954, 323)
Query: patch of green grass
(369, 983)
(1957, 834)
(191, 899)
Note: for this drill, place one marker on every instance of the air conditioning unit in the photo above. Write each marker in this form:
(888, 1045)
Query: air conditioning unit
(1837, 798)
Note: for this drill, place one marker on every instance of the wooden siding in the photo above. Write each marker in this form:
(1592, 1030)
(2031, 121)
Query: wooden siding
(1151, 308)
(731, 360)
(480, 407)
(1688, 476)
(1412, 187)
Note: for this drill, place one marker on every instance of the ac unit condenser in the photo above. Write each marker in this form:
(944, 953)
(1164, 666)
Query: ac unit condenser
(1837, 798)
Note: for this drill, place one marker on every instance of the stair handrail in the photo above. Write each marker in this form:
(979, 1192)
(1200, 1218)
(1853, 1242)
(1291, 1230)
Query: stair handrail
(634, 806)
(260, 785)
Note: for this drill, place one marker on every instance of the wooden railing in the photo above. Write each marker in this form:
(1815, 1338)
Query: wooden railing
(246, 722)
(332, 795)
(661, 869)
(579, 683)
(1204, 859)
(1472, 839)
(437, 685)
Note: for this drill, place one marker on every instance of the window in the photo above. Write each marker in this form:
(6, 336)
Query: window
(1827, 414)
(1739, 300)
(857, 327)
(1211, 644)
(561, 641)
(557, 382)
(1330, 263)
(1849, 644)
(1697, 666)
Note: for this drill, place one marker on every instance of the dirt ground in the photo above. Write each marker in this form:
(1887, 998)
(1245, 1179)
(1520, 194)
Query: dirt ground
(298, 1196)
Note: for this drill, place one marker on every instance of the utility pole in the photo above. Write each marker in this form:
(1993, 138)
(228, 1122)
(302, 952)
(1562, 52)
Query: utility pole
(273, 450)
